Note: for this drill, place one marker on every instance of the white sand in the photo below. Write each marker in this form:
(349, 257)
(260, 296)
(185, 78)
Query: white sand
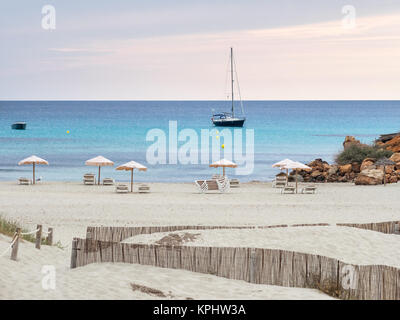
(71, 207)
(23, 280)
(354, 246)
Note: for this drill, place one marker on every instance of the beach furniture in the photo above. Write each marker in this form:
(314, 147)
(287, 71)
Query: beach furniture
(121, 188)
(279, 182)
(33, 160)
(288, 189)
(108, 181)
(143, 188)
(222, 185)
(234, 183)
(130, 166)
(89, 179)
(99, 161)
(24, 181)
(309, 189)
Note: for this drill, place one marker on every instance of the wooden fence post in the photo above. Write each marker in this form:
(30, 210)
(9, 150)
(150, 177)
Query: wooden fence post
(49, 240)
(38, 236)
(74, 253)
(14, 252)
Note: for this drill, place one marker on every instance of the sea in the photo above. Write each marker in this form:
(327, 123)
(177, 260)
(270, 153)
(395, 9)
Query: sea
(67, 133)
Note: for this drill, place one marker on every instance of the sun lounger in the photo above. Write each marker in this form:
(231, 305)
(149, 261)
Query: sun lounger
(279, 182)
(288, 189)
(309, 189)
(234, 183)
(89, 179)
(24, 181)
(222, 185)
(108, 182)
(143, 188)
(121, 188)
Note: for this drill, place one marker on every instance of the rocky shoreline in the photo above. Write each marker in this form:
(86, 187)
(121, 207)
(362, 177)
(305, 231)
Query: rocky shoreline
(368, 172)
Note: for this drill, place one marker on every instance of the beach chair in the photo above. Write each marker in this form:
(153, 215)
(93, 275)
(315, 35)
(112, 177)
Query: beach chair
(288, 189)
(234, 183)
(108, 181)
(89, 179)
(143, 188)
(309, 189)
(222, 185)
(279, 182)
(24, 181)
(121, 188)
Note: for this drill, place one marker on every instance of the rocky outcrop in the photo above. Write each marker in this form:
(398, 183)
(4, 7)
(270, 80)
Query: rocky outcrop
(370, 176)
(390, 141)
(365, 173)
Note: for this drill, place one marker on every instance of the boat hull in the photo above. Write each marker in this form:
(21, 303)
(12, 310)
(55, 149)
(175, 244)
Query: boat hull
(18, 126)
(229, 123)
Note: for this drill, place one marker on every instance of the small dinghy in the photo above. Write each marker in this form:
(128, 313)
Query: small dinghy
(18, 126)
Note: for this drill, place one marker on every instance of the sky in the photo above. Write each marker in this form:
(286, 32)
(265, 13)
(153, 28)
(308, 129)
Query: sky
(179, 50)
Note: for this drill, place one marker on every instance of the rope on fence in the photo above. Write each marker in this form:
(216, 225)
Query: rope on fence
(30, 232)
(10, 246)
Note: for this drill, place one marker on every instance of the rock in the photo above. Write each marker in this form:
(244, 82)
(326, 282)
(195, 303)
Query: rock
(356, 167)
(367, 163)
(393, 179)
(292, 178)
(393, 144)
(349, 141)
(345, 168)
(389, 169)
(315, 174)
(395, 157)
(332, 178)
(333, 169)
(369, 177)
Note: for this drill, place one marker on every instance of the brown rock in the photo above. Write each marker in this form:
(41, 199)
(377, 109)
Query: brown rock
(395, 157)
(356, 167)
(333, 169)
(315, 174)
(349, 141)
(393, 144)
(389, 169)
(393, 179)
(369, 177)
(345, 168)
(367, 163)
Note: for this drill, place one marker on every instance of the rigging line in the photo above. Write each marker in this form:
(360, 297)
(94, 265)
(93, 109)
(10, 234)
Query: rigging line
(226, 95)
(238, 86)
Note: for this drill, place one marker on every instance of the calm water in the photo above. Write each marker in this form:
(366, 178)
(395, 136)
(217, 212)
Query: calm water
(300, 130)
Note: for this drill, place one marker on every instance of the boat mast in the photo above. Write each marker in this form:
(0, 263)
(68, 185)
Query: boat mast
(232, 79)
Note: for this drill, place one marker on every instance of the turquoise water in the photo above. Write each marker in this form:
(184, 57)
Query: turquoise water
(300, 130)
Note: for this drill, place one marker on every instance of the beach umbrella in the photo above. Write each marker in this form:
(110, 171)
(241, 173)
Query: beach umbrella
(385, 162)
(33, 160)
(224, 164)
(281, 165)
(130, 166)
(295, 166)
(99, 161)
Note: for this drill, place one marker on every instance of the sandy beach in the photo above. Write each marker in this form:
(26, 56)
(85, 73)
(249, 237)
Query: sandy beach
(70, 207)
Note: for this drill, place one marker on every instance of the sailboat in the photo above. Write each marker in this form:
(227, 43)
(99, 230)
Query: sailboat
(228, 119)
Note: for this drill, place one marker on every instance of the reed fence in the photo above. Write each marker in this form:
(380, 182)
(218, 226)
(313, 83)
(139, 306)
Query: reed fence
(254, 265)
(117, 234)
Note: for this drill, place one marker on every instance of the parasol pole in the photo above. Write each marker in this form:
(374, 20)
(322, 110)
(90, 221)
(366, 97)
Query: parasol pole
(98, 180)
(132, 180)
(33, 169)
